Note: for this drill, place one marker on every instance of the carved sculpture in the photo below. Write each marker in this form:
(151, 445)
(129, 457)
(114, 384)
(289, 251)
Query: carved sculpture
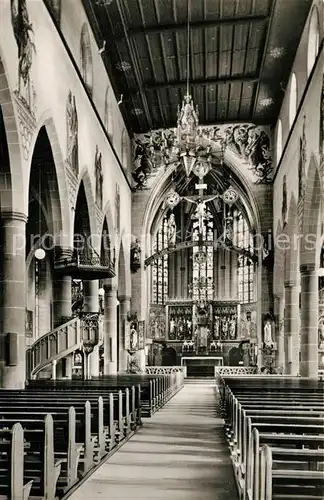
(201, 214)
(23, 31)
(135, 255)
(72, 134)
(99, 177)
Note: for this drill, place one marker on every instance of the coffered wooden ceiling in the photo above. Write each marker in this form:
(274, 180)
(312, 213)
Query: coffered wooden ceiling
(241, 54)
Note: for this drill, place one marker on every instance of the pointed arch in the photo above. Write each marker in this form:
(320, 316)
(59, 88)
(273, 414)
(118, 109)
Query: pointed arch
(121, 271)
(86, 58)
(310, 247)
(59, 186)
(85, 184)
(13, 196)
(291, 244)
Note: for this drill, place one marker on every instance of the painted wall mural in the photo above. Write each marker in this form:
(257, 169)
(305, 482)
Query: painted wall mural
(24, 34)
(302, 162)
(99, 177)
(72, 129)
(156, 151)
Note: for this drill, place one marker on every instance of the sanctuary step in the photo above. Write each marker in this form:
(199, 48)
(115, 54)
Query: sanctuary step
(180, 453)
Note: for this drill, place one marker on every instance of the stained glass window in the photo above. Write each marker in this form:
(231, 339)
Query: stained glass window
(243, 238)
(160, 268)
(203, 262)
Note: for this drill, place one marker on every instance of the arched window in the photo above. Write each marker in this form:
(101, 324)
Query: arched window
(292, 99)
(202, 268)
(124, 149)
(243, 238)
(160, 268)
(313, 40)
(279, 141)
(86, 58)
(108, 118)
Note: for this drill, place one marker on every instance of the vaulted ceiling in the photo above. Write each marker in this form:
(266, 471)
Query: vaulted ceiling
(241, 54)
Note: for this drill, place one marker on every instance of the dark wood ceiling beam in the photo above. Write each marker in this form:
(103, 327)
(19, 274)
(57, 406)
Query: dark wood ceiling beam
(196, 24)
(264, 55)
(134, 63)
(198, 82)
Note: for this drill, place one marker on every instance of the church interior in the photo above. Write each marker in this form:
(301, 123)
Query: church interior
(161, 249)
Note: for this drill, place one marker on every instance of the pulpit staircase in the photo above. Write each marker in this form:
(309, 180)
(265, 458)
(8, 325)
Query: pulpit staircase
(78, 334)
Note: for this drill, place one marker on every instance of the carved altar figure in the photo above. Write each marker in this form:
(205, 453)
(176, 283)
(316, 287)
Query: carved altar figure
(172, 325)
(72, 134)
(224, 327)
(99, 177)
(216, 327)
(172, 230)
(232, 328)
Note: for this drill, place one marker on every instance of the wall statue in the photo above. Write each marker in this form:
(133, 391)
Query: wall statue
(99, 177)
(135, 255)
(23, 31)
(72, 134)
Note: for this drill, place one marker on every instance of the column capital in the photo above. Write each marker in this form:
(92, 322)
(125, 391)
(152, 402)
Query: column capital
(124, 298)
(7, 215)
(307, 268)
(290, 283)
(110, 289)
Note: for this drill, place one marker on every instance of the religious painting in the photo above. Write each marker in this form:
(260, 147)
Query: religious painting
(72, 129)
(224, 322)
(141, 334)
(98, 177)
(29, 323)
(23, 33)
(157, 323)
(180, 322)
(248, 324)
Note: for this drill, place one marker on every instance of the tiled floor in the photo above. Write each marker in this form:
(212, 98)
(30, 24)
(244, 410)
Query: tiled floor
(179, 454)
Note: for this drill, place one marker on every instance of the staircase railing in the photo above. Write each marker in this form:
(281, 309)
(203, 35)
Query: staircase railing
(77, 333)
(53, 345)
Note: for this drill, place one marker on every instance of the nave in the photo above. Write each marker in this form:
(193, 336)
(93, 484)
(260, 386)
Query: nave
(179, 453)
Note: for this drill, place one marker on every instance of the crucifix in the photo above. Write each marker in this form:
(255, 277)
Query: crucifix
(200, 200)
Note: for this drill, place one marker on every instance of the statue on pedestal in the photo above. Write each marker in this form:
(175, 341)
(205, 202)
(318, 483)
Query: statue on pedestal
(267, 332)
(172, 230)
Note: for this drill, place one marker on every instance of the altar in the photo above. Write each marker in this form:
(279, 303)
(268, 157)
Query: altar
(201, 366)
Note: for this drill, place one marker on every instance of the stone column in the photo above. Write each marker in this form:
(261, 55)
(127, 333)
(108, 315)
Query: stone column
(91, 296)
(12, 301)
(94, 362)
(124, 308)
(291, 328)
(62, 285)
(110, 330)
(309, 321)
(279, 311)
(69, 366)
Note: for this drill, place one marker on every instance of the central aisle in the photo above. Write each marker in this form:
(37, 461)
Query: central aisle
(179, 454)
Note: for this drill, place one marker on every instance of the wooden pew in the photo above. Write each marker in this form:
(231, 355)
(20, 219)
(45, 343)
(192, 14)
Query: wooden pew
(12, 485)
(301, 480)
